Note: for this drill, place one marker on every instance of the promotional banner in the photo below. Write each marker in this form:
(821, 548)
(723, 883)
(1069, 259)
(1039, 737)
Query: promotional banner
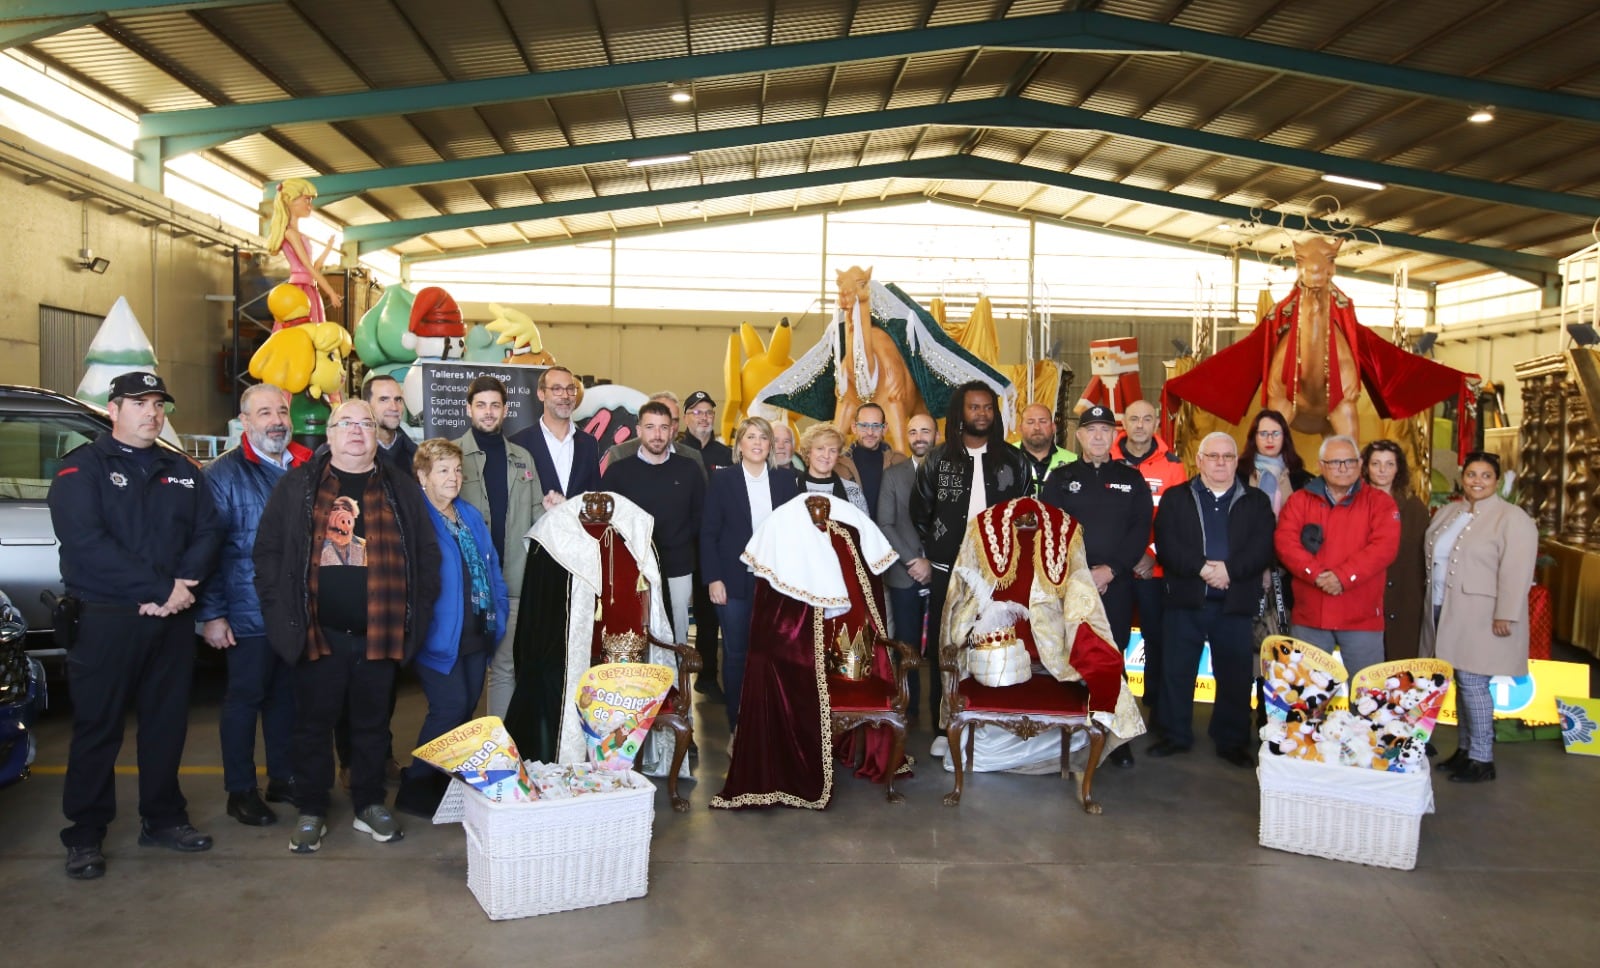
(617, 702)
(444, 395)
(482, 754)
(1205, 685)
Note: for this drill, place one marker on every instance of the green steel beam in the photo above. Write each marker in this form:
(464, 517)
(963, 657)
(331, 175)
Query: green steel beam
(990, 112)
(1050, 32)
(1511, 262)
(380, 235)
(1073, 30)
(1350, 70)
(1000, 112)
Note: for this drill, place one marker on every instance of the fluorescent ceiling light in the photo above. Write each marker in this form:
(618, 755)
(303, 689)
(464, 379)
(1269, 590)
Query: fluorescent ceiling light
(1354, 182)
(659, 160)
(681, 97)
(1481, 115)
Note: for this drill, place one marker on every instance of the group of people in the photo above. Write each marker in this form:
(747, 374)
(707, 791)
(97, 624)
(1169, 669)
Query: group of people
(320, 574)
(1349, 559)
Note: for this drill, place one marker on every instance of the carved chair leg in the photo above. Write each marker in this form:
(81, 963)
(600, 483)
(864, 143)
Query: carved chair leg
(897, 753)
(953, 738)
(1097, 745)
(682, 736)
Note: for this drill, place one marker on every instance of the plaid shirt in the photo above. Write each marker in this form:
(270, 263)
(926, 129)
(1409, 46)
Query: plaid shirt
(386, 569)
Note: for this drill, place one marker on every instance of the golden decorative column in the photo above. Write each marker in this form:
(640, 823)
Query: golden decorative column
(1543, 434)
(1532, 435)
(1550, 469)
(1575, 478)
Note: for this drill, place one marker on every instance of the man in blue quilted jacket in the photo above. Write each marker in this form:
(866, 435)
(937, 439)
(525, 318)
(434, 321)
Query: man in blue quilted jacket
(260, 684)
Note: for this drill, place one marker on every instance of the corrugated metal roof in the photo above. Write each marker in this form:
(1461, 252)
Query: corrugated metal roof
(184, 59)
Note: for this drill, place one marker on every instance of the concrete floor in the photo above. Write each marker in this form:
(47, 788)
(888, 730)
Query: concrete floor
(1171, 874)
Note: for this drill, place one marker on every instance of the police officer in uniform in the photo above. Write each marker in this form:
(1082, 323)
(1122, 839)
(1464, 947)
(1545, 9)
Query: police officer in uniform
(1111, 501)
(138, 532)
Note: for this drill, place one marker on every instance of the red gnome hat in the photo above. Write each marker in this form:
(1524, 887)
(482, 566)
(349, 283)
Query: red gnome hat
(434, 313)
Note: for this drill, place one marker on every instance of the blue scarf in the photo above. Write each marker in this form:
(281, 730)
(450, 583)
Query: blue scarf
(482, 601)
(1267, 471)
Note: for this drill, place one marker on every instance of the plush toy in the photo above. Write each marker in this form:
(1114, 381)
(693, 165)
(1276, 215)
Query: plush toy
(435, 332)
(1331, 735)
(1412, 757)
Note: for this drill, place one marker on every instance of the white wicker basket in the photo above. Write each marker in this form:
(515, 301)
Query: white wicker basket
(1341, 812)
(525, 859)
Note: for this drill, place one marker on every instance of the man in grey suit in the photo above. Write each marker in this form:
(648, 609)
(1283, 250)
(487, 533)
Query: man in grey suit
(907, 579)
(630, 447)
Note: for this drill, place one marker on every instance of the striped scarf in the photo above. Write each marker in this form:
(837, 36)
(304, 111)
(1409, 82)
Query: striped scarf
(386, 568)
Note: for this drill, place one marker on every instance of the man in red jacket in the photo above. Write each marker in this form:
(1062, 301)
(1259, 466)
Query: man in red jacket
(1142, 450)
(1337, 537)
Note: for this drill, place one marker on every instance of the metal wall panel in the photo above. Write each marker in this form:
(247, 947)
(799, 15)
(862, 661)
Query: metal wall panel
(64, 338)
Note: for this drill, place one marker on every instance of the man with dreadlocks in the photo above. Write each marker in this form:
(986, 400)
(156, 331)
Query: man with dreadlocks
(974, 470)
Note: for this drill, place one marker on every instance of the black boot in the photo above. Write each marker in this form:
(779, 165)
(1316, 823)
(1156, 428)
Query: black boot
(420, 795)
(247, 808)
(1457, 760)
(1475, 771)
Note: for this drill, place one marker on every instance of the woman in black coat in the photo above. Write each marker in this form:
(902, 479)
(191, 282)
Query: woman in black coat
(738, 499)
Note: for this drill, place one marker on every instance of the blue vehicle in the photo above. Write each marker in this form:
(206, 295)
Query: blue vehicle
(22, 695)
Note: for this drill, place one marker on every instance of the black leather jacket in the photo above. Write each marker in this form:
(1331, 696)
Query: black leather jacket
(943, 488)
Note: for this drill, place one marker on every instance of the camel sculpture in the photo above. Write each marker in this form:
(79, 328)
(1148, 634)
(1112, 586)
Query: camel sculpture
(880, 347)
(874, 371)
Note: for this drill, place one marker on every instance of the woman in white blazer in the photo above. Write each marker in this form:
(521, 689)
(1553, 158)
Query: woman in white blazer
(1480, 558)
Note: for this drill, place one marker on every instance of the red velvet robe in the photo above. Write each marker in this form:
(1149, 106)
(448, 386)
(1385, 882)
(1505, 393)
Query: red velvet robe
(784, 752)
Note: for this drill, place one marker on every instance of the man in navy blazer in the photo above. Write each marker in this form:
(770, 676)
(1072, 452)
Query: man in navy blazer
(726, 524)
(561, 452)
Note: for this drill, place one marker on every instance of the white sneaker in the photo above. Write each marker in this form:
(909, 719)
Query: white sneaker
(940, 747)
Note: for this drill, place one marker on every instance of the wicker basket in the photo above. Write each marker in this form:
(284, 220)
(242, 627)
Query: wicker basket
(525, 859)
(1341, 812)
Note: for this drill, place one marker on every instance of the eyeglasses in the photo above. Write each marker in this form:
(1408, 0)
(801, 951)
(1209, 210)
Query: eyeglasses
(869, 426)
(347, 423)
(1224, 458)
(1342, 463)
(1269, 434)
(566, 391)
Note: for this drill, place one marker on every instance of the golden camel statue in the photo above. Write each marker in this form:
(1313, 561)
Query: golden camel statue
(872, 370)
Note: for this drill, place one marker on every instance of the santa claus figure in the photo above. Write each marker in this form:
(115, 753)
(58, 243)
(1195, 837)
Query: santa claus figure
(436, 333)
(1115, 384)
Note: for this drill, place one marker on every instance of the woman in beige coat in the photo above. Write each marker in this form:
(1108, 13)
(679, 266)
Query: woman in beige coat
(1480, 556)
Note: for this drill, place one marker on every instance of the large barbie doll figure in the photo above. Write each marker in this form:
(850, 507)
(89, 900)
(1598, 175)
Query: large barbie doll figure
(293, 202)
